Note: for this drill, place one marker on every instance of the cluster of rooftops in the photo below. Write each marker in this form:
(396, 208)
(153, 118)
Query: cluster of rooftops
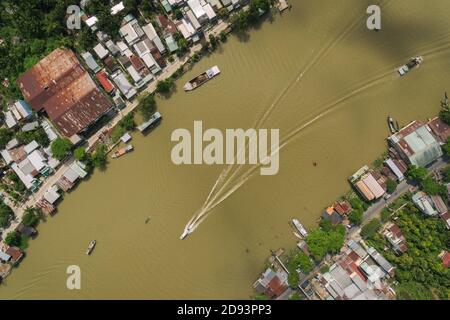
(62, 87)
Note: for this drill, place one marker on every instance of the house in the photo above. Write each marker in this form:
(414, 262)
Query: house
(198, 10)
(186, 29)
(124, 85)
(374, 187)
(91, 22)
(331, 215)
(23, 108)
(26, 230)
(112, 47)
(4, 257)
(52, 194)
(271, 283)
(445, 257)
(91, 63)
(440, 129)
(364, 190)
(10, 121)
(381, 261)
(193, 20)
(395, 237)
(150, 32)
(439, 204)
(395, 169)
(5, 270)
(101, 51)
(446, 218)
(210, 12)
(131, 32)
(416, 145)
(102, 78)
(30, 126)
(167, 25)
(171, 43)
(166, 5)
(117, 8)
(342, 207)
(60, 86)
(111, 64)
(15, 253)
(423, 202)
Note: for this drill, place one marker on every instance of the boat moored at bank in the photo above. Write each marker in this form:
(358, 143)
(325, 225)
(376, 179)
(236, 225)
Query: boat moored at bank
(120, 152)
(300, 227)
(154, 120)
(201, 79)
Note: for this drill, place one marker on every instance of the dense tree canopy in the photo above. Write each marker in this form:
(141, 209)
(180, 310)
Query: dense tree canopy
(321, 242)
(6, 214)
(61, 147)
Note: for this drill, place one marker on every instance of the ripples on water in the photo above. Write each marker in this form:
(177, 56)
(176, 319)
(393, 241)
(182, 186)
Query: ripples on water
(318, 75)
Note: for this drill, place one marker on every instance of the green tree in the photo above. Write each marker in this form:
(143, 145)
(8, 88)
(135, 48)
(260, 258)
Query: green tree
(213, 41)
(61, 147)
(6, 214)
(370, 228)
(431, 187)
(445, 111)
(416, 173)
(80, 154)
(446, 174)
(446, 147)
(99, 157)
(321, 242)
(39, 135)
(5, 136)
(356, 217)
(13, 239)
(178, 14)
(146, 106)
(223, 36)
(391, 186)
(31, 216)
(165, 86)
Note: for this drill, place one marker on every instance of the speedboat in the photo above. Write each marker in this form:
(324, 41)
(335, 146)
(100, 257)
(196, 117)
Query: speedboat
(187, 231)
(413, 62)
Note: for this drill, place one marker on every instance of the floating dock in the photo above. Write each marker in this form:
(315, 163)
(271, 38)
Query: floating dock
(154, 119)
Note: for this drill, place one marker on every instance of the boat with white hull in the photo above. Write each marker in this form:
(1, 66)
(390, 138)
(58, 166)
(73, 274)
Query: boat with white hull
(300, 227)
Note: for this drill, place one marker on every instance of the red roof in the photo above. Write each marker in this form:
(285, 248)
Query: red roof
(440, 129)
(446, 259)
(102, 77)
(59, 85)
(15, 253)
(275, 287)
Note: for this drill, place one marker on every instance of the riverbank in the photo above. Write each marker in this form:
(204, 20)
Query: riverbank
(184, 63)
(363, 217)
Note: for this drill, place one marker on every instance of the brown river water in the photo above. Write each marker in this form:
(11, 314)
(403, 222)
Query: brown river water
(316, 73)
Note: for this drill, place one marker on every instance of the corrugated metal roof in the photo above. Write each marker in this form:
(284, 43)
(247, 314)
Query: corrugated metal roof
(60, 85)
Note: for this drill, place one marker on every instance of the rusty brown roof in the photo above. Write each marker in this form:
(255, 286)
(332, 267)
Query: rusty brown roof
(63, 88)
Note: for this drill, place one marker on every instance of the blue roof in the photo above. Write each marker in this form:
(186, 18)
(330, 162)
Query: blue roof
(4, 256)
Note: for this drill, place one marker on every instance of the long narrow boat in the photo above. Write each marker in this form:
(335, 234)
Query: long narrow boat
(91, 247)
(122, 151)
(201, 79)
(154, 119)
(300, 227)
